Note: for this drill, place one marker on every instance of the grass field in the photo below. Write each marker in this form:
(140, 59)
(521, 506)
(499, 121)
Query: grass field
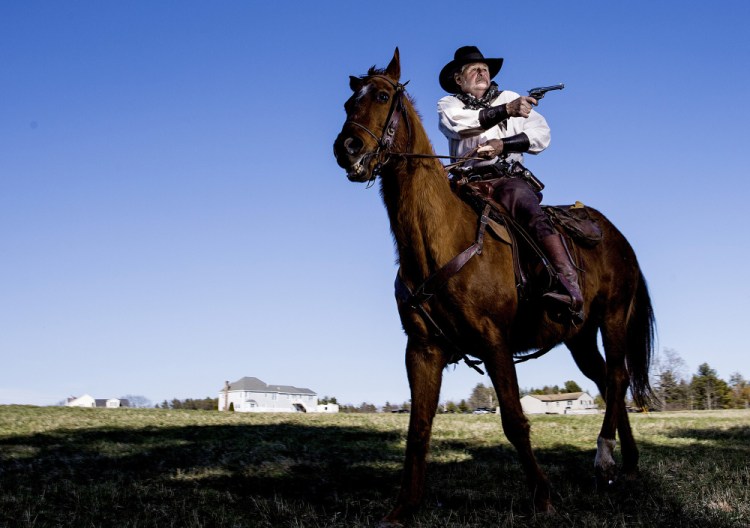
(161, 468)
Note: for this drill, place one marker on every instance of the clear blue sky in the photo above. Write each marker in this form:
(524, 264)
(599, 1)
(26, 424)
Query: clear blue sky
(171, 215)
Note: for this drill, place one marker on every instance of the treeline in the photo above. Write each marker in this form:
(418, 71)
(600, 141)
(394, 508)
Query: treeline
(366, 407)
(568, 387)
(485, 398)
(481, 398)
(702, 390)
(206, 404)
(363, 407)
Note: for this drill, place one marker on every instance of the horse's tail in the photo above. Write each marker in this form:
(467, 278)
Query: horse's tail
(641, 328)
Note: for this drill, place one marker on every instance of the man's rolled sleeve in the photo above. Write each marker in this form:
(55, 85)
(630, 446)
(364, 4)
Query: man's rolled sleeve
(456, 121)
(536, 128)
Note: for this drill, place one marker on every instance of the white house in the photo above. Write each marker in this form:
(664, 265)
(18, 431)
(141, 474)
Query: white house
(112, 403)
(88, 401)
(253, 395)
(568, 403)
(81, 401)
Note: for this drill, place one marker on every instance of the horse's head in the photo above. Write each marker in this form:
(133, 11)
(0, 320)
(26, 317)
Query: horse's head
(373, 114)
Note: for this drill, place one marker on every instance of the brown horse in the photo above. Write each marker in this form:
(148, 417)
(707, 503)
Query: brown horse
(478, 308)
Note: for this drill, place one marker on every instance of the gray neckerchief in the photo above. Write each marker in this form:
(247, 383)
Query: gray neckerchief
(472, 103)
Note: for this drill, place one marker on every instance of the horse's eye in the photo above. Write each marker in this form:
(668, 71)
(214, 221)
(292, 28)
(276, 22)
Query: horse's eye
(383, 97)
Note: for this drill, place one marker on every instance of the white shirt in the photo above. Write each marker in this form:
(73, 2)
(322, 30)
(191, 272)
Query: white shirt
(461, 126)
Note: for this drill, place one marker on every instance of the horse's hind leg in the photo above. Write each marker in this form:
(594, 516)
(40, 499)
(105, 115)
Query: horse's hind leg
(616, 416)
(585, 352)
(612, 380)
(502, 372)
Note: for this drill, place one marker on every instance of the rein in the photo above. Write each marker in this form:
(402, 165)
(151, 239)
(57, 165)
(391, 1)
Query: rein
(459, 159)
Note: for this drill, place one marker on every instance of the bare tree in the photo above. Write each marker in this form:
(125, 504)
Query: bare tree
(740, 391)
(669, 379)
(483, 397)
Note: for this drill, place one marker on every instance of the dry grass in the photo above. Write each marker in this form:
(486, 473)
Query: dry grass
(138, 467)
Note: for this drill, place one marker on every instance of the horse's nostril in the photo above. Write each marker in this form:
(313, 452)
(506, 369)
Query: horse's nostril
(353, 145)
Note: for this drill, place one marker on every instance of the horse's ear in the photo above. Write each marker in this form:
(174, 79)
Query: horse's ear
(394, 68)
(355, 83)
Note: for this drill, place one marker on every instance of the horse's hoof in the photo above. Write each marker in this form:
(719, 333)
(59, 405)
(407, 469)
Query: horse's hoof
(606, 475)
(393, 519)
(545, 509)
(605, 482)
(543, 504)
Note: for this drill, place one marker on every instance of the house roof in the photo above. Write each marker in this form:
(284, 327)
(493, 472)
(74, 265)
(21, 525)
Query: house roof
(558, 397)
(252, 384)
(248, 384)
(74, 398)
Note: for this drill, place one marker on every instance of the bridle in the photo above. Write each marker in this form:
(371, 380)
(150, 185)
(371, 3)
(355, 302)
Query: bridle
(396, 113)
(383, 152)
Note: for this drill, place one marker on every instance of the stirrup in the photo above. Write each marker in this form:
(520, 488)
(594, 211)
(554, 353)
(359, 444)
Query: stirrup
(562, 310)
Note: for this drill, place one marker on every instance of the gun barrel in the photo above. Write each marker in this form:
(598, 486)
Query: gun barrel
(540, 91)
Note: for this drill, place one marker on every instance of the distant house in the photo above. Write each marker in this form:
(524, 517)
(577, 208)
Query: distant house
(568, 403)
(253, 395)
(88, 401)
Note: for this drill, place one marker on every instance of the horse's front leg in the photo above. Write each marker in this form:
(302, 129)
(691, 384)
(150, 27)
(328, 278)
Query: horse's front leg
(424, 366)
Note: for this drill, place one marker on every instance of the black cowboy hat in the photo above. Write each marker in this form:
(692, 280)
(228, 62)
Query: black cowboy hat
(465, 55)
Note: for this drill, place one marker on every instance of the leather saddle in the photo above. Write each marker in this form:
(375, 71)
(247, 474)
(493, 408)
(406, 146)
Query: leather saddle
(533, 270)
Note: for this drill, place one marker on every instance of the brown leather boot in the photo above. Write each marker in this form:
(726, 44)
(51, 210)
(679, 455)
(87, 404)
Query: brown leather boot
(569, 293)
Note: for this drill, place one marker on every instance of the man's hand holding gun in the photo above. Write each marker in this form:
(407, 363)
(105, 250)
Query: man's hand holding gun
(521, 107)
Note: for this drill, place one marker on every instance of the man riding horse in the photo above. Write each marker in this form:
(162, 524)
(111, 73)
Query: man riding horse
(480, 120)
(478, 310)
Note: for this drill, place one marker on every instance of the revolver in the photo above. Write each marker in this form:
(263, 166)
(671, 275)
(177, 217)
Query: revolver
(538, 93)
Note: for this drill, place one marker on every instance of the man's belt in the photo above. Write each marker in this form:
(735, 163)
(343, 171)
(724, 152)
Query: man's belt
(497, 167)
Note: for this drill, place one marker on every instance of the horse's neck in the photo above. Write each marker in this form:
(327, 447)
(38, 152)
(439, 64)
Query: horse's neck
(426, 217)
